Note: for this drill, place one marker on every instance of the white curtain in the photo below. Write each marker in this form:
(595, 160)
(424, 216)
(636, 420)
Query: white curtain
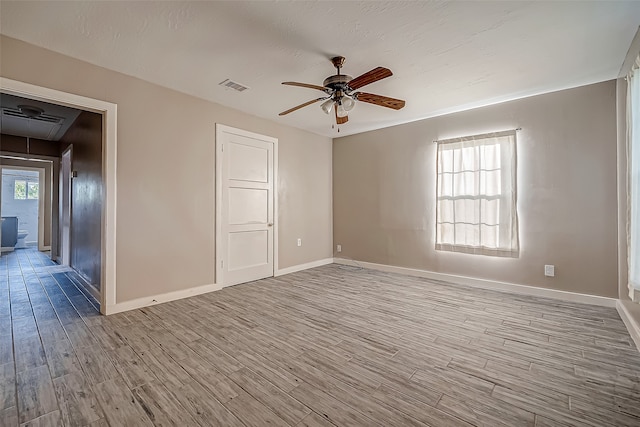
(633, 156)
(476, 195)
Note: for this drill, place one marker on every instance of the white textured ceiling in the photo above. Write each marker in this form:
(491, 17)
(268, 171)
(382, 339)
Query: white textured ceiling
(445, 56)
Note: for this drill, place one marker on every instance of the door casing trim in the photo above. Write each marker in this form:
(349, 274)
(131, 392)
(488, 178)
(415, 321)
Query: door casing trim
(41, 212)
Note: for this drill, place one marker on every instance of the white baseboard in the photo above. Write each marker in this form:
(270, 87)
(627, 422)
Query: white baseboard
(305, 266)
(93, 291)
(87, 285)
(486, 284)
(461, 280)
(632, 326)
(185, 293)
(159, 299)
(81, 281)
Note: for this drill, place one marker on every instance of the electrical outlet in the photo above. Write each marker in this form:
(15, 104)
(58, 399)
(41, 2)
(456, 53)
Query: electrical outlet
(299, 242)
(549, 270)
(339, 248)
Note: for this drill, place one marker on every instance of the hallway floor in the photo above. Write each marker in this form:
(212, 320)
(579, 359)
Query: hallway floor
(37, 296)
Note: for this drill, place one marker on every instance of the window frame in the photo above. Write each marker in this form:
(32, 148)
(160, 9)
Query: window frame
(27, 184)
(508, 244)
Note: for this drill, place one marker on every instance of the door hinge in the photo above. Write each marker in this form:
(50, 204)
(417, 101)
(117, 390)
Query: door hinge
(221, 263)
(222, 147)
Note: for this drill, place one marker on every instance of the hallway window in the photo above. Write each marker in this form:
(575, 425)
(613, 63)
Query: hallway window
(24, 190)
(20, 190)
(33, 189)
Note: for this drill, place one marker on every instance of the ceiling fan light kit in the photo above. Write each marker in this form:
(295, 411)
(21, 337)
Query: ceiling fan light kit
(341, 95)
(347, 103)
(327, 105)
(341, 110)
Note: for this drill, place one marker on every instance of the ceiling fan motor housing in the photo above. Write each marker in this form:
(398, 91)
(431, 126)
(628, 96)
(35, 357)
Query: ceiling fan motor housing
(337, 82)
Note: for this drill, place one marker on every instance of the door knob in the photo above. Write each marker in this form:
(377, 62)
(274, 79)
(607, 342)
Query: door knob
(270, 224)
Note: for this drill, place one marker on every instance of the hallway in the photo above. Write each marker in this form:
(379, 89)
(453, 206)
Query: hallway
(37, 297)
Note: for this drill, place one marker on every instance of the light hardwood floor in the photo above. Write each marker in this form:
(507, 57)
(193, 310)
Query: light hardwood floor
(334, 345)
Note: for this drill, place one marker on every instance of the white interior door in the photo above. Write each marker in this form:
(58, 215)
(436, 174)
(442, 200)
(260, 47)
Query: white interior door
(65, 207)
(244, 206)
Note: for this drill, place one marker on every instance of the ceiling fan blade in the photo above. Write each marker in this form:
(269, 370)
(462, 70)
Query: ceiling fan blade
(291, 110)
(374, 75)
(383, 101)
(340, 120)
(322, 88)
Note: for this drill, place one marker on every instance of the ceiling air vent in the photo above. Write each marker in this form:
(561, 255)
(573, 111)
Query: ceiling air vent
(233, 85)
(13, 112)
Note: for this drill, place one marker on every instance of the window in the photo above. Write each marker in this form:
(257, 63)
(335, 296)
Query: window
(20, 190)
(23, 190)
(476, 195)
(32, 190)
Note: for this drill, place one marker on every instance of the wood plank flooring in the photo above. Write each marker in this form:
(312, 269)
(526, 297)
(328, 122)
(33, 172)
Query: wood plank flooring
(331, 346)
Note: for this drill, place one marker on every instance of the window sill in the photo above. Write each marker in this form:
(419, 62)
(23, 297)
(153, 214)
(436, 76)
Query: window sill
(473, 250)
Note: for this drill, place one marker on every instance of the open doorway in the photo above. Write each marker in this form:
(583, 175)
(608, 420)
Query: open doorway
(76, 241)
(107, 222)
(35, 128)
(23, 199)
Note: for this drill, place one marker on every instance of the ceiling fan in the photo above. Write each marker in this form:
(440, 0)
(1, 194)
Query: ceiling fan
(341, 95)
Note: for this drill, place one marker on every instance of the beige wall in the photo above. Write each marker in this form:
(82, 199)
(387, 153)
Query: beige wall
(384, 192)
(166, 146)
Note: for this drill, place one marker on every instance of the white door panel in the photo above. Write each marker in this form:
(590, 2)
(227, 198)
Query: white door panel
(248, 205)
(246, 161)
(248, 249)
(245, 211)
